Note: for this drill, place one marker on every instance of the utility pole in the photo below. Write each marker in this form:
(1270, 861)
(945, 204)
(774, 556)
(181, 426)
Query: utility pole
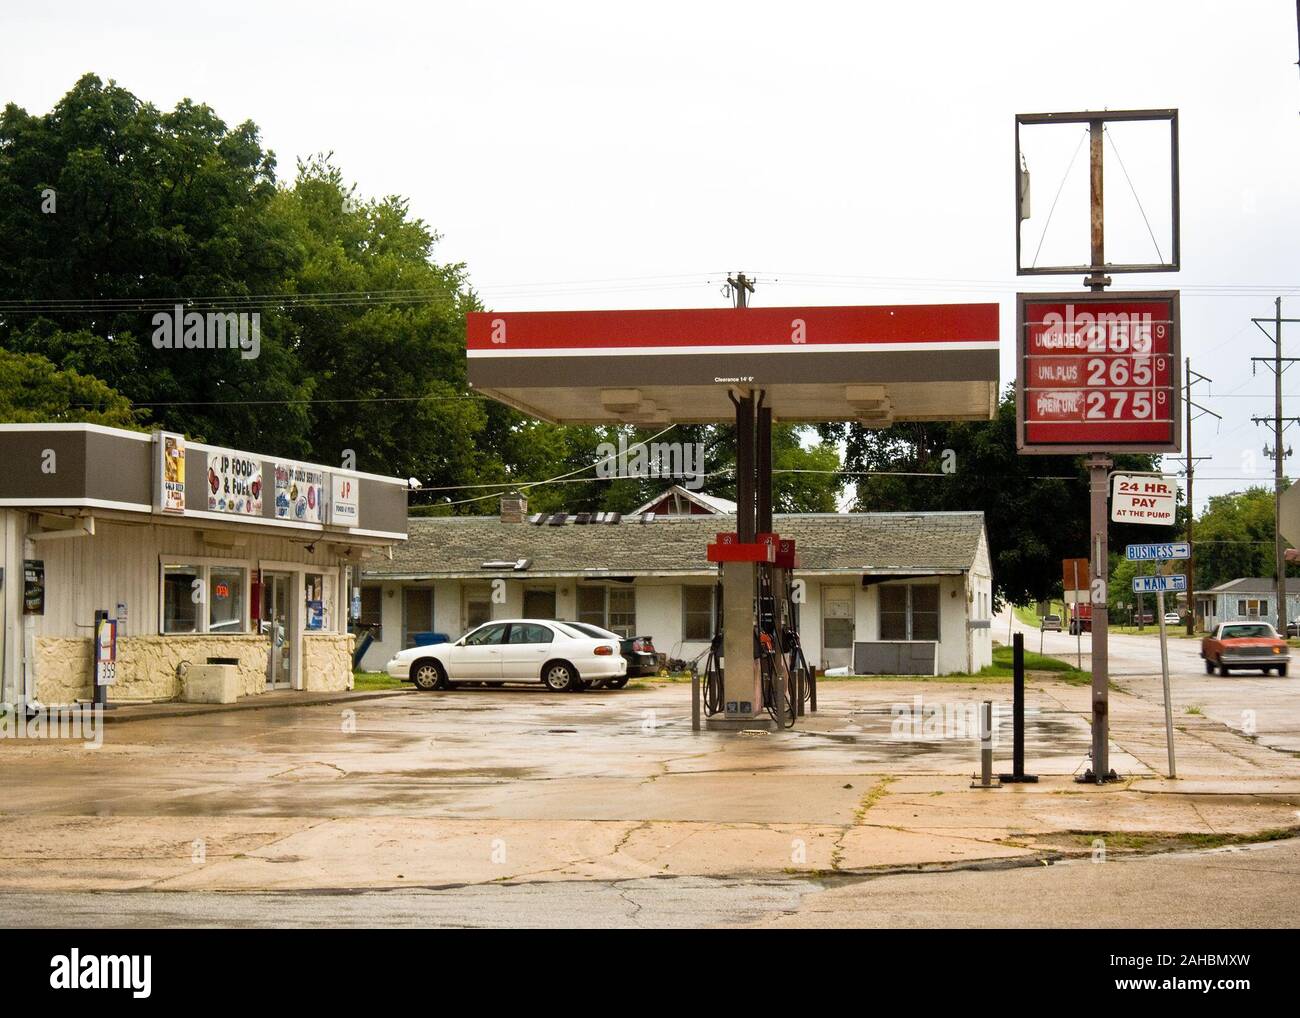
(1279, 543)
(741, 287)
(1278, 364)
(1099, 465)
(1192, 376)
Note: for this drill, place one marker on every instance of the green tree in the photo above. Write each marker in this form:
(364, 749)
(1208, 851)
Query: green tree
(1036, 508)
(1234, 537)
(34, 391)
(110, 208)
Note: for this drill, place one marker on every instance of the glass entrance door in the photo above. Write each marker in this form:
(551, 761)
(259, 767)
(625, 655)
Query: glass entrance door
(277, 623)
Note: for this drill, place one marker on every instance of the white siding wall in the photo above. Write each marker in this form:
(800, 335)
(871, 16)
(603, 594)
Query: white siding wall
(659, 615)
(121, 563)
(981, 607)
(810, 622)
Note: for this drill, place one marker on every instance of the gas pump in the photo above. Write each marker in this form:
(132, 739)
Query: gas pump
(755, 664)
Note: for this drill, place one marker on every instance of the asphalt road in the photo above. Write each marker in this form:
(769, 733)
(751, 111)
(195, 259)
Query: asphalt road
(1129, 655)
(1258, 706)
(1251, 886)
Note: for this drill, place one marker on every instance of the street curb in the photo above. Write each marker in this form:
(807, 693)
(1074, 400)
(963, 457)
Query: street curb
(224, 708)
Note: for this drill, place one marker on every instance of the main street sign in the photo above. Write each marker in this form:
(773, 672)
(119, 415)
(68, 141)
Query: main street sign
(1097, 372)
(1159, 584)
(1158, 552)
(1143, 498)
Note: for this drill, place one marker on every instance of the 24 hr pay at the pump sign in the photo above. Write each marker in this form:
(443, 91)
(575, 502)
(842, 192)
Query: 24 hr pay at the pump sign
(1143, 498)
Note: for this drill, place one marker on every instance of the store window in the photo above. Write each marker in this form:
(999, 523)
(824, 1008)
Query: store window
(181, 598)
(226, 586)
(318, 596)
(612, 608)
(697, 613)
(204, 598)
(909, 611)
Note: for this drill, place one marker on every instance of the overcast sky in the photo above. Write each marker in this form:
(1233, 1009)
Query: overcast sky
(601, 155)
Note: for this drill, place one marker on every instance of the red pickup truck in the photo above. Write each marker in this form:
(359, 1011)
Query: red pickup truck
(1245, 645)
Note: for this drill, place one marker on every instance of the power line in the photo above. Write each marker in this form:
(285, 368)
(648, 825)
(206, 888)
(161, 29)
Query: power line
(1114, 148)
(561, 477)
(1066, 176)
(294, 402)
(433, 294)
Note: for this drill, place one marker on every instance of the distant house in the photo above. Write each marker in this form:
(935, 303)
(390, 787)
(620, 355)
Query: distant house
(1253, 597)
(913, 585)
(679, 501)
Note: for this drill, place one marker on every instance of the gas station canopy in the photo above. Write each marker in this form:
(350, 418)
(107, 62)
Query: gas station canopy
(874, 365)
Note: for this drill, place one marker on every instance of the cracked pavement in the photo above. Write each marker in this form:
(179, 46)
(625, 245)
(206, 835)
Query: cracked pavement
(495, 788)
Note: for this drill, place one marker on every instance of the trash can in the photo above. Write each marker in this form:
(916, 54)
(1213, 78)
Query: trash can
(429, 639)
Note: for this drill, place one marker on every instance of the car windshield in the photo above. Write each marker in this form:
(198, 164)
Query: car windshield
(1250, 632)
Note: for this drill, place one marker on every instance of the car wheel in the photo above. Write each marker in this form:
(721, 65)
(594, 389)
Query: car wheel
(427, 675)
(1223, 669)
(1209, 667)
(618, 683)
(559, 677)
(1282, 671)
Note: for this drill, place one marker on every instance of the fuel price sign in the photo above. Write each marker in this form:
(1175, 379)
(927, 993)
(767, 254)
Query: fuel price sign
(1097, 372)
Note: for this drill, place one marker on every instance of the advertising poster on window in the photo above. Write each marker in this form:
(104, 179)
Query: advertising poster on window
(171, 494)
(346, 501)
(299, 493)
(33, 586)
(234, 484)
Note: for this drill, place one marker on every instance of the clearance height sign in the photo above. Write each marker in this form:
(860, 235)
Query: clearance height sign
(1097, 372)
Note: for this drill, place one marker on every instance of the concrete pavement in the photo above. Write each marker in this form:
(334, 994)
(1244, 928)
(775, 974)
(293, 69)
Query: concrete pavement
(480, 787)
(1250, 886)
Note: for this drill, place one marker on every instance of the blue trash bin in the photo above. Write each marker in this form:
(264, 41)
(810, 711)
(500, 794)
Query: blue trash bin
(429, 639)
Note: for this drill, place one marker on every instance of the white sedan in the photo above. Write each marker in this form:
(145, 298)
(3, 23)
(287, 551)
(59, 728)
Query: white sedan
(513, 650)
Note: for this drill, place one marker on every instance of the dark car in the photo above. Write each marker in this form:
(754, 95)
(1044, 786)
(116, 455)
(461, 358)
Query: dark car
(639, 652)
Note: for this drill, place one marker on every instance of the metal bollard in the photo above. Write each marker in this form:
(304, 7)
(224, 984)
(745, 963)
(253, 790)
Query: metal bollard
(1018, 774)
(986, 748)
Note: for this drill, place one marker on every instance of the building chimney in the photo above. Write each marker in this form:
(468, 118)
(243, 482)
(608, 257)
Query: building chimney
(514, 508)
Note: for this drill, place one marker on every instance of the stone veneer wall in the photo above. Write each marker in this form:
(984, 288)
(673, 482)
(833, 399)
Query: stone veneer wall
(146, 665)
(326, 661)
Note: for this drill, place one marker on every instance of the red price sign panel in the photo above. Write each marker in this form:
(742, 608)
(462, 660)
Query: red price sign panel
(1097, 372)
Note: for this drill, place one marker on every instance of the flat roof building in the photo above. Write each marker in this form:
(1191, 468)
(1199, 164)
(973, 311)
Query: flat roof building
(199, 553)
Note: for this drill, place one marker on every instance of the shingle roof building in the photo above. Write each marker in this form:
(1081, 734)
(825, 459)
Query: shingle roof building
(827, 543)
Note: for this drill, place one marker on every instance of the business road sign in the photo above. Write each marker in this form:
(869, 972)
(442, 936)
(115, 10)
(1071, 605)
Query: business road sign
(1097, 372)
(1158, 552)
